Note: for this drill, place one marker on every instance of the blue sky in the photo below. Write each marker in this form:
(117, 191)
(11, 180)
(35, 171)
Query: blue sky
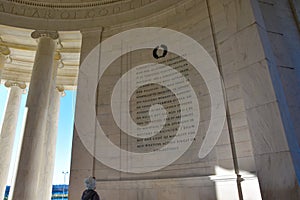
(65, 133)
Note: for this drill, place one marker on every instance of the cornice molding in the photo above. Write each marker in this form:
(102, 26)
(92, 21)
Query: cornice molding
(65, 5)
(40, 15)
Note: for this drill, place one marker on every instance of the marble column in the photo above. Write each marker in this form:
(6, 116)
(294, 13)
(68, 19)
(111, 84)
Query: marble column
(50, 144)
(8, 131)
(4, 51)
(29, 168)
(50, 136)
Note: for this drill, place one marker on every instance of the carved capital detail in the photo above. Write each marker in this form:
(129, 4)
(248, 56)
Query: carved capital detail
(40, 33)
(61, 90)
(4, 50)
(12, 83)
(58, 58)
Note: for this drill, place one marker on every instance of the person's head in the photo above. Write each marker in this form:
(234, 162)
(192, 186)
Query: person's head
(90, 183)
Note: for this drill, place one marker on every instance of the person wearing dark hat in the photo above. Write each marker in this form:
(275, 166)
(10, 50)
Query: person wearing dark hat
(90, 193)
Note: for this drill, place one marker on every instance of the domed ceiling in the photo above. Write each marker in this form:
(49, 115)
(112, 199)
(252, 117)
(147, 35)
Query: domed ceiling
(19, 18)
(78, 14)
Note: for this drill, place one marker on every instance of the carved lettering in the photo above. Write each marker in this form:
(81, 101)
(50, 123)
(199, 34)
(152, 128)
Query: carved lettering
(103, 12)
(116, 9)
(75, 15)
(41, 12)
(150, 94)
(90, 14)
(144, 2)
(2, 8)
(48, 14)
(35, 13)
(18, 11)
(12, 9)
(132, 6)
(65, 15)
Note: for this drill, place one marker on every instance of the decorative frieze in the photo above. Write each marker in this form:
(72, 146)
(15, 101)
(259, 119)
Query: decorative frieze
(70, 11)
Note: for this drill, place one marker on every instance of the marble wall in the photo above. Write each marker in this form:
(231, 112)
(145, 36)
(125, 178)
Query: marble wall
(256, 139)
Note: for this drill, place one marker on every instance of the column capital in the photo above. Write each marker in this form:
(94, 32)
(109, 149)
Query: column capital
(43, 33)
(12, 83)
(61, 90)
(4, 50)
(58, 58)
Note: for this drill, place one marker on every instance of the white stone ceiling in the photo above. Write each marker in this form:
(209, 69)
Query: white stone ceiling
(23, 48)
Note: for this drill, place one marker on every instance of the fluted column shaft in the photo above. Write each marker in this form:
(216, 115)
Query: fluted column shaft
(29, 169)
(8, 131)
(50, 144)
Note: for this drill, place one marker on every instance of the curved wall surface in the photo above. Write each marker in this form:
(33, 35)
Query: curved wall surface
(230, 32)
(255, 152)
(234, 36)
